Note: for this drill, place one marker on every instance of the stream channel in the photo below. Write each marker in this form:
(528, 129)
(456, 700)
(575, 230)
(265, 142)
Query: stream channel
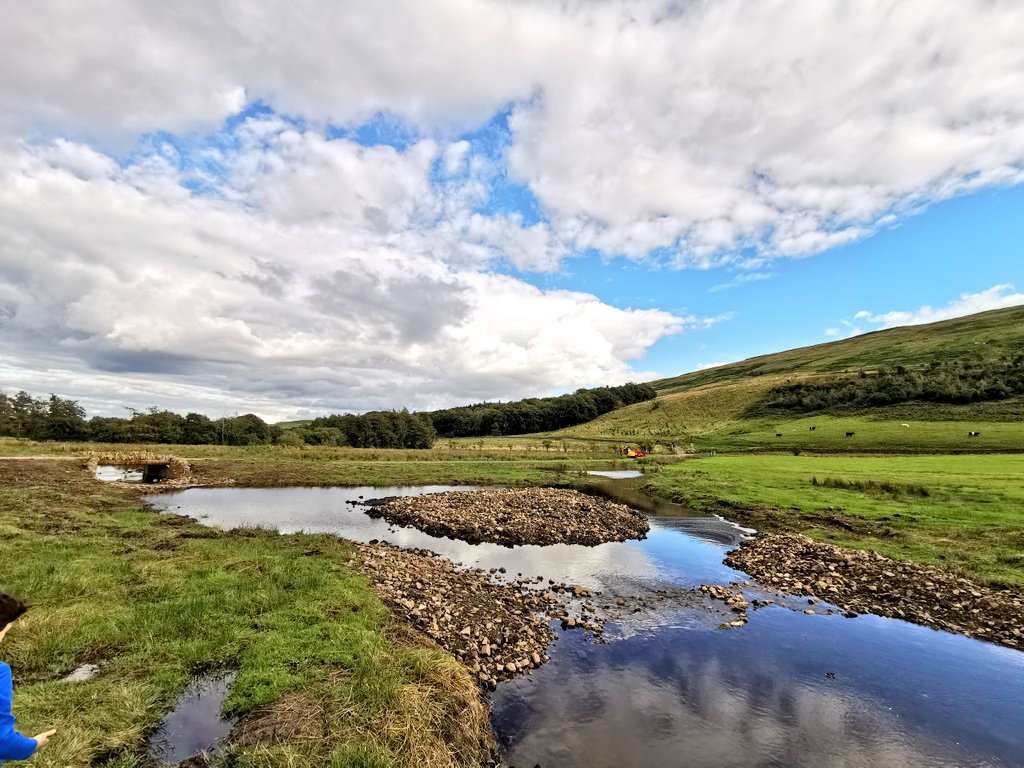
(668, 687)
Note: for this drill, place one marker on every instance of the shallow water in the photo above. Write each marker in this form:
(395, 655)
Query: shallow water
(194, 725)
(670, 688)
(110, 474)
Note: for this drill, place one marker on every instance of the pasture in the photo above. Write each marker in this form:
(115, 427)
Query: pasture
(962, 512)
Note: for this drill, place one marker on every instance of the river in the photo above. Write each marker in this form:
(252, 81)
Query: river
(668, 687)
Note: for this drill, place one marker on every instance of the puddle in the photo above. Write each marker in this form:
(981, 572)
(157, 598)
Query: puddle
(667, 689)
(671, 555)
(110, 474)
(195, 724)
(616, 474)
(82, 674)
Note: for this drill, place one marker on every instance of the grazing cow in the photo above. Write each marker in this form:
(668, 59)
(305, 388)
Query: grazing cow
(778, 434)
(973, 434)
(812, 428)
(904, 425)
(849, 434)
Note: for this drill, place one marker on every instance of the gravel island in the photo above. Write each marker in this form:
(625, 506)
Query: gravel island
(515, 516)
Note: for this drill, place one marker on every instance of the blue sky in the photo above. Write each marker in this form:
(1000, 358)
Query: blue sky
(294, 211)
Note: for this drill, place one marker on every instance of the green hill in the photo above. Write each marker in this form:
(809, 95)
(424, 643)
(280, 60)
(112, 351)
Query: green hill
(919, 388)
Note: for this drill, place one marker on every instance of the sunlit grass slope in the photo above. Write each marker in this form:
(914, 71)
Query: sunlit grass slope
(712, 410)
(984, 336)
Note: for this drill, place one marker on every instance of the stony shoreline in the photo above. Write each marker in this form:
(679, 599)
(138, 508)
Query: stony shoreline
(859, 581)
(497, 629)
(515, 516)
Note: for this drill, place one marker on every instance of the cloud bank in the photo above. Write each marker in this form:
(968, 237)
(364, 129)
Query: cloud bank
(163, 241)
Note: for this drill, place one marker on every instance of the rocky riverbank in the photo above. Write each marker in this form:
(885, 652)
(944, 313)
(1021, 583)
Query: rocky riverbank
(496, 629)
(515, 516)
(859, 581)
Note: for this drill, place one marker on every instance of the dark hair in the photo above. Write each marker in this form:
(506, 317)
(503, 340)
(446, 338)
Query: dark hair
(11, 607)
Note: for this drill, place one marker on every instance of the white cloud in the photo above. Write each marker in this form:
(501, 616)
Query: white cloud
(706, 366)
(996, 297)
(707, 127)
(119, 288)
(335, 275)
(741, 279)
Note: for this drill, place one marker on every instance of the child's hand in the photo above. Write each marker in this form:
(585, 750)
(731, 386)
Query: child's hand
(43, 738)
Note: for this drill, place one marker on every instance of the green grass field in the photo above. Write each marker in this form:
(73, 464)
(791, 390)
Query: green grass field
(157, 599)
(712, 418)
(971, 518)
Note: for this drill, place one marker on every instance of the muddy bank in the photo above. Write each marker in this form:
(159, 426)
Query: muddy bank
(496, 629)
(859, 581)
(516, 516)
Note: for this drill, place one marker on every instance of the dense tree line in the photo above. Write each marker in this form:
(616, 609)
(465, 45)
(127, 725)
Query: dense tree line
(537, 414)
(59, 419)
(951, 382)
(56, 418)
(376, 429)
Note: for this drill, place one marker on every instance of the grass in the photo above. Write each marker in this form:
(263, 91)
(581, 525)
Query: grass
(963, 512)
(717, 409)
(480, 461)
(713, 418)
(158, 599)
(983, 336)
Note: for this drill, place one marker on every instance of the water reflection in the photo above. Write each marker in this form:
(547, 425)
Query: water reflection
(195, 724)
(762, 696)
(670, 555)
(110, 474)
(672, 690)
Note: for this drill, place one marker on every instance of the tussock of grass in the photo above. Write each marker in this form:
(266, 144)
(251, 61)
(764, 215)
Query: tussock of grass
(872, 486)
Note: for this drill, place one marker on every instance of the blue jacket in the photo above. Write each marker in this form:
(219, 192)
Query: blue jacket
(13, 746)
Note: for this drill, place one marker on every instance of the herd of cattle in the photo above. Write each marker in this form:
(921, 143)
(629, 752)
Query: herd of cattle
(851, 434)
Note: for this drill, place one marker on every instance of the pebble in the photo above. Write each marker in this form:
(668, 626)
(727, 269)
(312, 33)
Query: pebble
(515, 516)
(492, 627)
(860, 581)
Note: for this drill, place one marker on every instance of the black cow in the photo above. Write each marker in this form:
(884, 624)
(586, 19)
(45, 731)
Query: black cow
(849, 434)
(778, 434)
(812, 428)
(973, 434)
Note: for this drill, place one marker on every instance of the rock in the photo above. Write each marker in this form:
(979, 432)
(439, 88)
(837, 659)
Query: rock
(867, 582)
(516, 516)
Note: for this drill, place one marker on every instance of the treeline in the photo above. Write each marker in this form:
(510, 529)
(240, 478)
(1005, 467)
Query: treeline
(537, 414)
(951, 382)
(376, 429)
(56, 418)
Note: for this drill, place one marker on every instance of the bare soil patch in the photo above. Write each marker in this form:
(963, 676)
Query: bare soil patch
(515, 516)
(859, 581)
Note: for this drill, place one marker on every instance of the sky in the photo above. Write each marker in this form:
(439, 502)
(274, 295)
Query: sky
(299, 208)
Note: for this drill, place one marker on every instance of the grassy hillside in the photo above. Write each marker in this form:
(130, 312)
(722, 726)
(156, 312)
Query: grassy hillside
(723, 409)
(984, 336)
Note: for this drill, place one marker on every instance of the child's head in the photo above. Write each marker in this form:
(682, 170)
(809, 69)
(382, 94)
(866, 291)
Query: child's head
(11, 609)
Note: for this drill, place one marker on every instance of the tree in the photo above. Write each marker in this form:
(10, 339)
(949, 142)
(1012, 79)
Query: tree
(65, 420)
(197, 429)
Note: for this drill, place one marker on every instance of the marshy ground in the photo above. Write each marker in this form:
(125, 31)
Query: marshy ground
(156, 599)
